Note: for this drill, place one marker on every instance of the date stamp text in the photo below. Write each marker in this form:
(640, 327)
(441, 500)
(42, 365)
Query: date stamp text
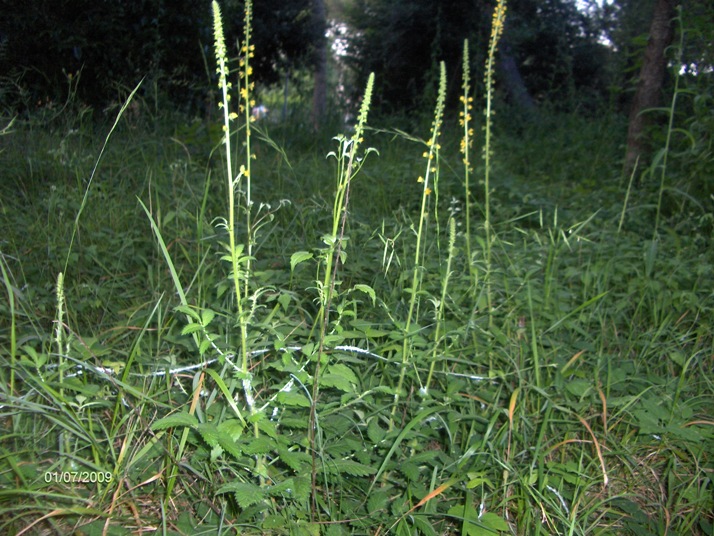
(78, 477)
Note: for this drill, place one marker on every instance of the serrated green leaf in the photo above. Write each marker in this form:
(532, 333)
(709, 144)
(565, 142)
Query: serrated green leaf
(229, 445)
(298, 257)
(345, 371)
(494, 521)
(284, 300)
(378, 501)
(334, 339)
(302, 488)
(294, 422)
(341, 377)
(578, 387)
(297, 460)
(233, 427)
(305, 528)
(422, 526)
(205, 345)
(268, 428)
(209, 433)
(246, 494)
(337, 381)
(191, 328)
(207, 316)
(284, 488)
(349, 467)
(294, 399)
(478, 481)
(189, 311)
(410, 471)
(274, 522)
(174, 421)
(259, 445)
(375, 432)
(367, 290)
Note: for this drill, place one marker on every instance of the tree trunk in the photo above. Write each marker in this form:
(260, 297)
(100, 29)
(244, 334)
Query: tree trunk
(513, 81)
(319, 96)
(649, 87)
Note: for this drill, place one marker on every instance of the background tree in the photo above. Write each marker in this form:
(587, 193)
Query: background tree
(115, 44)
(651, 79)
(549, 46)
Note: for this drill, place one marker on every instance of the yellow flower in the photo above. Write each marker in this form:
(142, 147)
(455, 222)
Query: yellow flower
(427, 191)
(420, 179)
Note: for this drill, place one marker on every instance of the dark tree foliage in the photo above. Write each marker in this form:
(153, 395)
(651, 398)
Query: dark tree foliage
(116, 44)
(285, 35)
(554, 46)
(402, 42)
(561, 59)
(112, 44)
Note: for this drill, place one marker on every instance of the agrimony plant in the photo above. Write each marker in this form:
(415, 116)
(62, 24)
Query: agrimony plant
(441, 302)
(499, 18)
(348, 165)
(240, 263)
(467, 142)
(431, 173)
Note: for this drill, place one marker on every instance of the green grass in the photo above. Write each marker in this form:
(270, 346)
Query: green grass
(556, 380)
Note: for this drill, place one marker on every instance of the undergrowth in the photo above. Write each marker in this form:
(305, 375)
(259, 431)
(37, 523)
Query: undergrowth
(397, 339)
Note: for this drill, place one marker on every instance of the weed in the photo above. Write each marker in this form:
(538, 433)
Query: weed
(325, 365)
